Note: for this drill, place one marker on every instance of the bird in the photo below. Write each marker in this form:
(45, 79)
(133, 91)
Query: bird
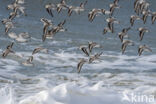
(145, 15)
(62, 23)
(4, 21)
(125, 30)
(133, 18)
(61, 5)
(91, 45)
(125, 43)
(95, 12)
(22, 37)
(79, 9)
(116, 2)
(84, 50)
(105, 30)
(55, 29)
(8, 50)
(16, 7)
(143, 48)
(111, 21)
(59, 28)
(11, 45)
(140, 5)
(153, 18)
(96, 56)
(122, 35)
(144, 5)
(51, 33)
(80, 64)
(137, 6)
(105, 12)
(39, 49)
(46, 24)
(19, 1)
(12, 15)
(82, 5)
(112, 8)
(142, 31)
(8, 26)
(12, 6)
(49, 7)
(28, 62)
(91, 15)
(48, 35)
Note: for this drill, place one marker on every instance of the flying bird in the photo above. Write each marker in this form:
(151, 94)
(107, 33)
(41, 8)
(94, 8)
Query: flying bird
(143, 48)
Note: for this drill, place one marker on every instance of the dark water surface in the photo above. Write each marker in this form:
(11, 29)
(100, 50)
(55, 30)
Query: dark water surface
(53, 74)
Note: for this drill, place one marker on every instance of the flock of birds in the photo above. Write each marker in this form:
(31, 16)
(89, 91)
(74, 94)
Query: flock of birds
(141, 8)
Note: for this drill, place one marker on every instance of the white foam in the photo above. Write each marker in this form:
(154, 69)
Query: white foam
(6, 95)
(70, 93)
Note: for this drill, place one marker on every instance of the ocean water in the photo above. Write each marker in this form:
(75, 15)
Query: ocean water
(54, 80)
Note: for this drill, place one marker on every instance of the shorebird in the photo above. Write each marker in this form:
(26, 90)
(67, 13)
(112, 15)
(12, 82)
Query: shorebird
(12, 15)
(79, 9)
(19, 1)
(116, 2)
(142, 31)
(111, 21)
(105, 30)
(55, 29)
(12, 6)
(143, 48)
(111, 26)
(122, 35)
(11, 45)
(95, 12)
(49, 7)
(28, 62)
(105, 12)
(125, 43)
(61, 5)
(39, 49)
(153, 18)
(8, 50)
(22, 37)
(84, 50)
(16, 8)
(145, 15)
(91, 45)
(15, 4)
(96, 56)
(140, 5)
(136, 6)
(133, 18)
(80, 64)
(112, 8)
(92, 14)
(62, 23)
(8, 26)
(59, 27)
(46, 24)
(125, 30)
(4, 21)
(48, 35)
(144, 6)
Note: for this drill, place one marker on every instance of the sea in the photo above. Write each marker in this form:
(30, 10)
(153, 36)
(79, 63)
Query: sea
(114, 78)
